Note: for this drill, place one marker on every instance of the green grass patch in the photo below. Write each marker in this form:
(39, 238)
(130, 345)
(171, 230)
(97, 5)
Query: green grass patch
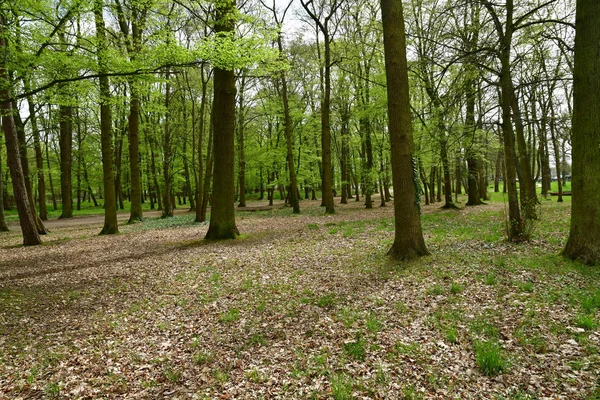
(229, 316)
(490, 360)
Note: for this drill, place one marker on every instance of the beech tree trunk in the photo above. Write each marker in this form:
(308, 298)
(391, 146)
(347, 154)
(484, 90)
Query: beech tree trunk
(3, 226)
(26, 218)
(168, 204)
(200, 186)
(110, 201)
(26, 173)
(240, 136)
(584, 236)
(222, 216)
(408, 240)
(66, 160)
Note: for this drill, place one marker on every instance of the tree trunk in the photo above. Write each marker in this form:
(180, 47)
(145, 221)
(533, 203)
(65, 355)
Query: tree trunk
(39, 160)
(222, 219)
(52, 193)
(584, 236)
(136, 213)
(26, 174)
(408, 240)
(26, 218)
(110, 202)
(287, 121)
(66, 160)
(167, 209)
(240, 136)
(3, 226)
(208, 173)
(201, 126)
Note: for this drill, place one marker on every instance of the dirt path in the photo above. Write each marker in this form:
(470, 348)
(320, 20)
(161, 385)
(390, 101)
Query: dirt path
(122, 217)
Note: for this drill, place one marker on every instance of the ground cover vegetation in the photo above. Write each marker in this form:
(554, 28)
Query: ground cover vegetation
(300, 307)
(238, 160)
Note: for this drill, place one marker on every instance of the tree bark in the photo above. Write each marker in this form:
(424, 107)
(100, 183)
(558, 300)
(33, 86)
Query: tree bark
(26, 218)
(167, 204)
(240, 135)
(222, 218)
(200, 186)
(408, 240)
(584, 236)
(3, 226)
(110, 201)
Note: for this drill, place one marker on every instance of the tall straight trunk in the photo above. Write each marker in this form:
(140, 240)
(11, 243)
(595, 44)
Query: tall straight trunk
(458, 176)
(110, 202)
(155, 175)
(515, 225)
(222, 216)
(118, 163)
(529, 198)
(584, 236)
(3, 225)
(345, 154)
(483, 180)
(448, 202)
(66, 159)
(136, 213)
(186, 167)
(167, 209)
(287, 122)
(79, 154)
(208, 173)
(39, 160)
(240, 136)
(201, 125)
(408, 239)
(432, 186)
(133, 34)
(26, 173)
(472, 164)
(26, 217)
(327, 185)
(556, 149)
(52, 193)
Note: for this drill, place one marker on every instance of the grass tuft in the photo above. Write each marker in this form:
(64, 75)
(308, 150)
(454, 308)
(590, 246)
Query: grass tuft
(490, 360)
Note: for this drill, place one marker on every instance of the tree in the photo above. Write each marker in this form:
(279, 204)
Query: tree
(133, 32)
(408, 240)
(324, 28)
(26, 218)
(3, 226)
(584, 236)
(222, 218)
(110, 201)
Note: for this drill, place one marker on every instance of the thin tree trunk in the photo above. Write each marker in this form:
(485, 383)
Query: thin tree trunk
(26, 173)
(201, 123)
(66, 160)
(240, 136)
(167, 209)
(3, 225)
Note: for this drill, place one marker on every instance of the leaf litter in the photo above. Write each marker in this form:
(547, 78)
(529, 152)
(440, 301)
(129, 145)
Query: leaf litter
(301, 307)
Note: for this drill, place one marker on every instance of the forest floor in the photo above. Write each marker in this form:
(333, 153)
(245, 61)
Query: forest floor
(304, 306)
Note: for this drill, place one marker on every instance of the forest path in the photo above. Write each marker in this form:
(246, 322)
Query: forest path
(123, 216)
